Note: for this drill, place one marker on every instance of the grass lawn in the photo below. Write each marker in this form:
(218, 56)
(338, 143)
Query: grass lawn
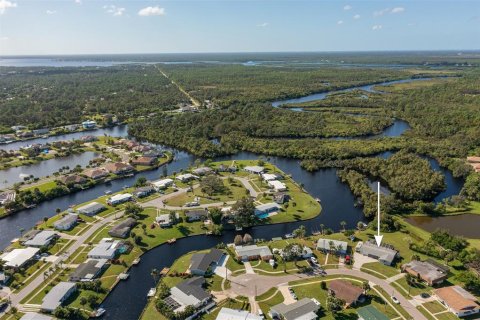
(267, 294)
(380, 270)
(414, 290)
(43, 187)
(434, 306)
(451, 316)
(266, 305)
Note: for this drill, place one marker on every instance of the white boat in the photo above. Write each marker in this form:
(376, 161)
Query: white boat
(136, 261)
(108, 192)
(123, 276)
(98, 313)
(151, 292)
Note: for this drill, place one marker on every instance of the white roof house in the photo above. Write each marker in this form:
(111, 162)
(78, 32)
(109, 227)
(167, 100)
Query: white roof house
(330, 244)
(251, 252)
(267, 208)
(254, 169)
(162, 184)
(277, 185)
(270, 176)
(382, 253)
(18, 257)
(165, 220)
(35, 316)
(57, 295)
(106, 249)
(186, 177)
(43, 238)
(120, 198)
(67, 222)
(231, 314)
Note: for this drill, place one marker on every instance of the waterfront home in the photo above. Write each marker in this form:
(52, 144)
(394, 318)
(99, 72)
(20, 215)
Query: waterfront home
(270, 176)
(144, 161)
(201, 263)
(118, 167)
(106, 249)
(89, 138)
(385, 255)
(186, 177)
(304, 309)
(458, 300)
(18, 258)
(332, 246)
(41, 132)
(189, 293)
(165, 220)
(253, 252)
(429, 271)
(281, 197)
(35, 316)
(89, 270)
(196, 215)
(277, 185)
(42, 239)
(254, 169)
(72, 179)
(121, 229)
(119, 198)
(153, 153)
(89, 124)
(231, 314)
(144, 191)
(162, 184)
(7, 197)
(67, 222)
(57, 295)
(346, 291)
(202, 171)
(370, 313)
(91, 209)
(267, 208)
(96, 173)
(4, 278)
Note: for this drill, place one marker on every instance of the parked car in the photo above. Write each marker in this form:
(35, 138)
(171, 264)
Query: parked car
(425, 295)
(272, 262)
(314, 260)
(289, 236)
(395, 300)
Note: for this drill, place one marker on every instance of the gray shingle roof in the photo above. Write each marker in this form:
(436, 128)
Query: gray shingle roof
(296, 310)
(202, 261)
(54, 298)
(194, 287)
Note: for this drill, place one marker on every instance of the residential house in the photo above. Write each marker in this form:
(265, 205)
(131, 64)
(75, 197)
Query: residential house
(346, 291)
(429, 271)
(144, 191)
(66, 223)
(162, 184)
(4, 278)
(253, 252)
(196, 215)
(200, 263)
(384, 254)
(41, 132)
(267, 208)
(121, 229)
(153, 153)
(18, 258)
(330, 245)
(458, 300)
(89, 124)
(91, 209)
(119, 198)
(42, 239)
(88, 270)
(254, 169)
(304, 309)
(232, 314)
(88, 138)
(277, 185)
(165, 220)
(281, 197)
(57, 295)
(270, 176)
(35, 316)
(189, 293)
(72, 179)
(202, 171)
(186, 177)
(96, 173)
(370, 313)
(118, 167)
(144, 161)
(107, 248)
(474, 162)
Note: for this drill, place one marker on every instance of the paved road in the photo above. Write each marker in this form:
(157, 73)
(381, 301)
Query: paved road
(406, 304)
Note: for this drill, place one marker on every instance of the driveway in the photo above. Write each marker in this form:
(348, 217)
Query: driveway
(287, 296)
(256, 284)
(221, 269)
(359, 260)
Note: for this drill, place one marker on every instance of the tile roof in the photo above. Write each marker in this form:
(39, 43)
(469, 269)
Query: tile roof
(345, 290)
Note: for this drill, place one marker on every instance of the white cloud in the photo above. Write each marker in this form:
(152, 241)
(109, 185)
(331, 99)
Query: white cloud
(114, 10)
(381, 12)
(262, 25)
(152, 11)
(50, 11)
(78, 1)
(339, 22)
(356, 17)
(377, 27)
(398, 10)
(5, 4)
(347, 7)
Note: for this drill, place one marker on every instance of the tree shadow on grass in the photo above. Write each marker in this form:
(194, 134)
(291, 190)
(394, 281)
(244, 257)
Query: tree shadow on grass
(185, 231)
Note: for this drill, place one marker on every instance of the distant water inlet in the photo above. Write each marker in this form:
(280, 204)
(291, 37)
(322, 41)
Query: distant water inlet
(466, 225)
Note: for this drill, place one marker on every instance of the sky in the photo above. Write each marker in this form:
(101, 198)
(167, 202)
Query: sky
(38, 27)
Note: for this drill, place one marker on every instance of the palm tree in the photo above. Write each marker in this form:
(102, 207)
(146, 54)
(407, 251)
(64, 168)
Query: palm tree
(343, 224)
(322, 226)
(365, 287)
(154, 273)
(21, 231)
(45, 219)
